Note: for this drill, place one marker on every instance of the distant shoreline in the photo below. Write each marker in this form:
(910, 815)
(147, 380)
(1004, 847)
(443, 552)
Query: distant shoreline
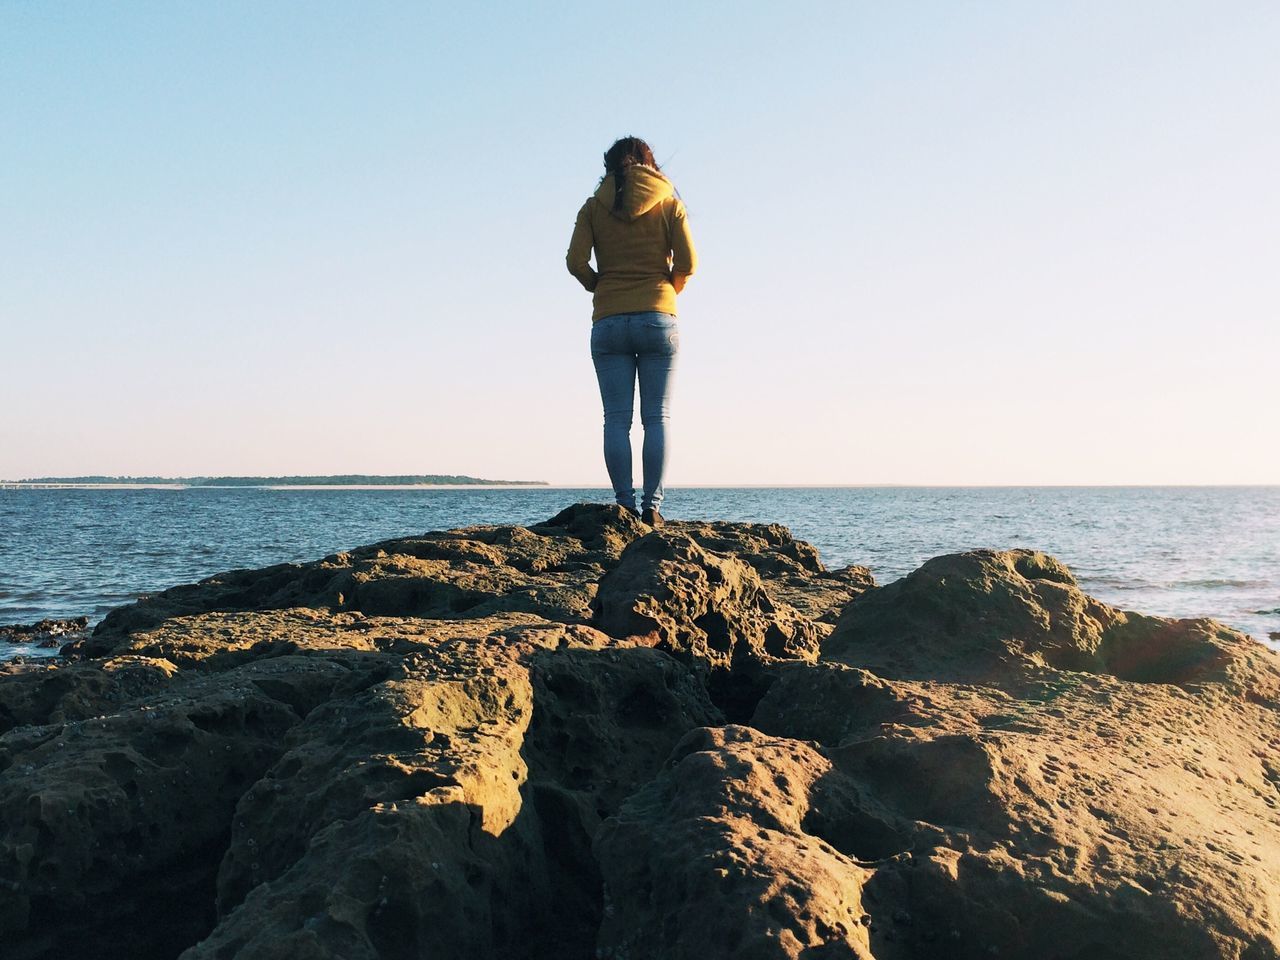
(544, 485)
(8, 485)
(360, 481)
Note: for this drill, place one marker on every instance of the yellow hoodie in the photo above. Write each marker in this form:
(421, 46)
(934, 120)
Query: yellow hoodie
(644, 253)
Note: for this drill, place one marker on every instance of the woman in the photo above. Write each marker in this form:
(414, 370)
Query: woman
(644, 256)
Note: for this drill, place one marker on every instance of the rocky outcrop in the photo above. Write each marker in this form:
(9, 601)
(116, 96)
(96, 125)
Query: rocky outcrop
(995, 617)
(549, 570)
(586, 738)
(708, 609)
(46, 633)
(108, 817)
(713, 858)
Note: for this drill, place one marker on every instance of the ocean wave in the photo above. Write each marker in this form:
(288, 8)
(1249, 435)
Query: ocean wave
(1119, 583)
(1216, 584)
(1210, 583)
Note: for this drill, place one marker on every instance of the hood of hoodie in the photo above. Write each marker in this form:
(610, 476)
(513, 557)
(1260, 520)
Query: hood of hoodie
(643, 189)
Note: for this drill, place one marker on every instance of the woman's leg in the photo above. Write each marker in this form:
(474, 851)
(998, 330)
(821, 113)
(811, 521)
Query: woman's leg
(616, 372)
(657, 343)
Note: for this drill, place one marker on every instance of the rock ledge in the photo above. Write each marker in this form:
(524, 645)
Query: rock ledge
(586, 738)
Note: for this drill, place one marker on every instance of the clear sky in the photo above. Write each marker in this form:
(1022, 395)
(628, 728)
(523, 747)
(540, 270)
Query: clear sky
(950, 242)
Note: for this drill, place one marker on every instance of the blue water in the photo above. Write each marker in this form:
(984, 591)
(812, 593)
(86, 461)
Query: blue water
(1192, 551)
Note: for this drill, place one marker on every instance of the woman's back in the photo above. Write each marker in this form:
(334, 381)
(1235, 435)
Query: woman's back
(643, 249)
(637, 226)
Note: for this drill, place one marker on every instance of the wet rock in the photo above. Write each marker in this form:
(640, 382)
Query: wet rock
(46, 633)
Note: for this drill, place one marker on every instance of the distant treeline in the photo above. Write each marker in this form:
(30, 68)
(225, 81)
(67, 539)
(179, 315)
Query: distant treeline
(342, 480)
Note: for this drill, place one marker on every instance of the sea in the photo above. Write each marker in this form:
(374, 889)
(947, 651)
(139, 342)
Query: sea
(1172, 551)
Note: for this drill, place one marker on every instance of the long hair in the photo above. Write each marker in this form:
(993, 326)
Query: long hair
(624, 154)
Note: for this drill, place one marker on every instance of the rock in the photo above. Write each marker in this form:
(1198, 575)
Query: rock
(990, 617)
(588, 739)
(790, 567)
(705, 608)
(332, 849)
(437, 766)
(1049, 823)
(46, 633)
(1025, 837)
(604, 530)
(107, 817)
(476, 572)
(712, 860)
(47, 692)
(830, 703)
(605, 719)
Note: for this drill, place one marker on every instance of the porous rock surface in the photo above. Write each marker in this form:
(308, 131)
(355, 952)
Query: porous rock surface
(586, 738)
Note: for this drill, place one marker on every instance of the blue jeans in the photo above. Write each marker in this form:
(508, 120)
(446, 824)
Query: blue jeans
(624, 346)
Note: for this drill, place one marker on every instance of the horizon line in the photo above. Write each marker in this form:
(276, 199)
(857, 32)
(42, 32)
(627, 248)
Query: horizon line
(546, 485)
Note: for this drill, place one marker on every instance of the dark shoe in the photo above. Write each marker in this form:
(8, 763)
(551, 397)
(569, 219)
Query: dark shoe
(631, 510)
(652, 517)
